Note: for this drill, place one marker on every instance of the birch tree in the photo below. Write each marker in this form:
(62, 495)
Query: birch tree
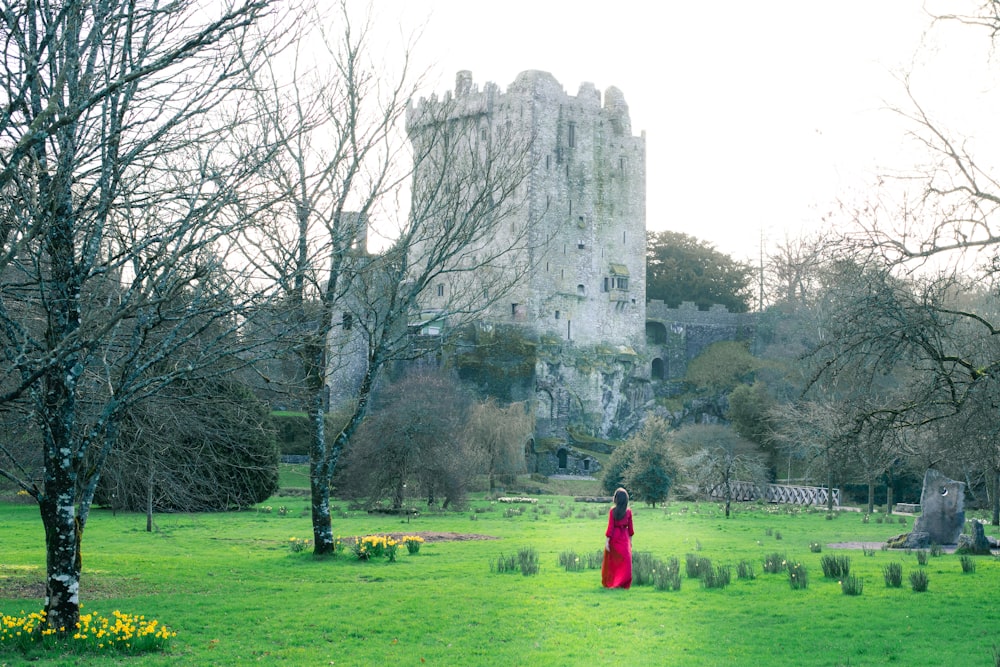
(117, 181)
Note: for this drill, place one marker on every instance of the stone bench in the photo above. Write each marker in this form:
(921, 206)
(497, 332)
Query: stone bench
(911, 508)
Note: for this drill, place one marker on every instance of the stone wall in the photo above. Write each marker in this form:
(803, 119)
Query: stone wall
(675, 336)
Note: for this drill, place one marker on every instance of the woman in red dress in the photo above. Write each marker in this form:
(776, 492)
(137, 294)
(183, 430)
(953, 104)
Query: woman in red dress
(616, 569)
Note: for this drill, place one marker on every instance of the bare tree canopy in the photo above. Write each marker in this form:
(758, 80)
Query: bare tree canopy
(119, 181)
(341, 159)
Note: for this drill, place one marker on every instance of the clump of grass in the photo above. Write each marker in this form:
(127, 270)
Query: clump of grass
(571, 562)
(775, 563)
(968, 565)
(718, 577)
(595, 559)
(921, 556)
(695, 566)
(744, 570)
(504, 564)
(815, 547)
(919, 581)
(643, 566)
(936, 550)
(868, 551)
(777, 534)
(835, 567)
(798, 576)
(893, 575)
(852, 585)
(667, 576)
(528, 560)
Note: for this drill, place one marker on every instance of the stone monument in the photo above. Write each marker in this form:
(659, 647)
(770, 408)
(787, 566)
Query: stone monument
(942, 502)
(942, 505)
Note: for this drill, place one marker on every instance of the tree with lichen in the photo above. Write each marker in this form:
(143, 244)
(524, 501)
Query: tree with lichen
(119, 181)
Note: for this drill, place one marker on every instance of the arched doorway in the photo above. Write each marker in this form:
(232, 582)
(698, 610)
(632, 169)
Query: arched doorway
(563, 457)
(658, 369)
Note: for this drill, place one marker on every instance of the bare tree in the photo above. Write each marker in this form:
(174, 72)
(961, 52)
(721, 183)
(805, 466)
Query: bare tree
(404, 448)
(500, 433)
(342, 160)
(715, 457)
(117, 180)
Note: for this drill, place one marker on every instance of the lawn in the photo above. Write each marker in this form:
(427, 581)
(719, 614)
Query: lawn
(236, 593)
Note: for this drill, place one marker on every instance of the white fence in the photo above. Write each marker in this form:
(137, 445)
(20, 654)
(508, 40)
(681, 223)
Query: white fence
(778, 493)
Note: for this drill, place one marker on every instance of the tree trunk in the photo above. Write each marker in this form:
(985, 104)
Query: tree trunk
(871, 497)
(319, 482)
(62, 562)
(829, 485)
(888, 498)
(996, 497)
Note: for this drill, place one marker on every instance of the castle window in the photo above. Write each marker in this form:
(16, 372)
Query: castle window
(581, 245)
(557, 314)
(622, 163)
(581, 290)
(546, 267)
(441, 290)
(607, 282)
(571, 135)
(347, 321)
(621, 283)
(548, 159)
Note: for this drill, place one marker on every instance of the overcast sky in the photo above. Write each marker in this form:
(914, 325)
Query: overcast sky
(758, 116)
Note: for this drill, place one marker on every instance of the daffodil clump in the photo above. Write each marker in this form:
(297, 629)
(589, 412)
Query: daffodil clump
(377, 546)
(121, 633)
(412, 543)
(297, 545)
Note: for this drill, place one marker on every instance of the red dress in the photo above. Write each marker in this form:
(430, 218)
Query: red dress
(616, 569)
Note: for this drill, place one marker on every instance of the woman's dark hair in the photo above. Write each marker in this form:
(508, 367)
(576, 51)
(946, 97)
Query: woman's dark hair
(621, 503)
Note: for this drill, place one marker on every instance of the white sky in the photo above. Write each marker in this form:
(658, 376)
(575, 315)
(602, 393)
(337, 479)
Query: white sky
(758, 116)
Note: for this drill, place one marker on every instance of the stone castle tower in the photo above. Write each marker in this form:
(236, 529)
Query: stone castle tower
(585, 207)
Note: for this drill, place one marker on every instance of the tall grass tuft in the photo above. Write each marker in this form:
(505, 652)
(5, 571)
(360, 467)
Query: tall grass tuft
(919, 581)
(504, 564)
(921, 556)
(835, 567)
(528, 560)
(571, 562)
(852, 585)
(696, 566)
(643, 566)
(798, 576)
(775, 563)
(968, 565)
(718, 577)
(893, 575)
(744, 570)
(667, 576)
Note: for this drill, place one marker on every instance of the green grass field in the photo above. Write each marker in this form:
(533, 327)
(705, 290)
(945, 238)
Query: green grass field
(236, 593)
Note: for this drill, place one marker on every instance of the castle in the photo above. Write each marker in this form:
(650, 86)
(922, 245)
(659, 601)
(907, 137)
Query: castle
(572, 335)
(584, 207)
